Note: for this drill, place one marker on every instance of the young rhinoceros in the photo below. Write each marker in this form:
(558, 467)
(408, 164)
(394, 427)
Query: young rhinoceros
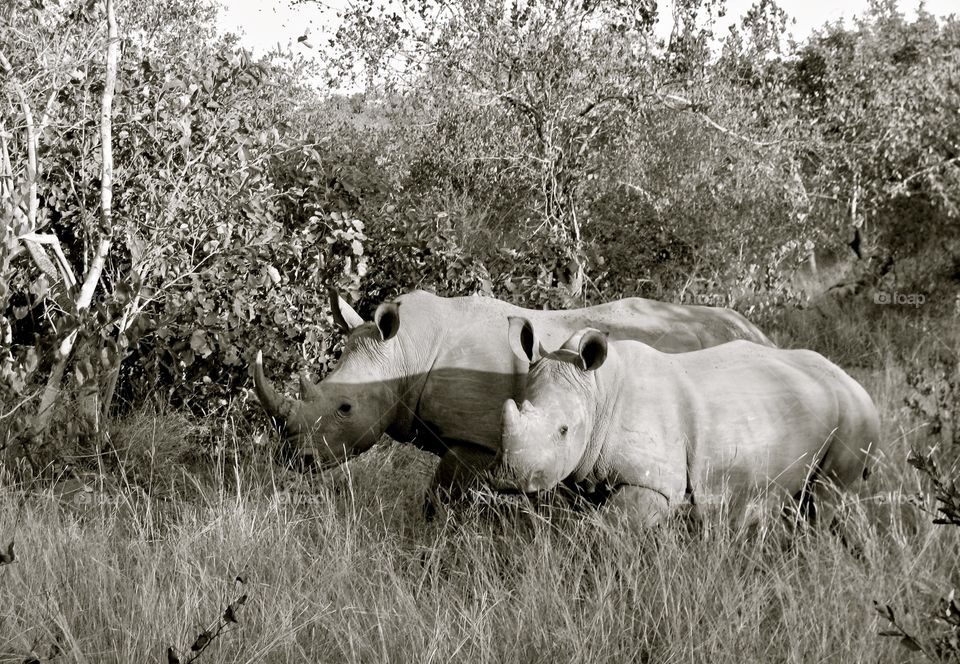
(655, 431)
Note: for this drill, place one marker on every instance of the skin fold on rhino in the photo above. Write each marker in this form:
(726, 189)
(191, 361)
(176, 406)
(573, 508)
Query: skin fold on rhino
(718, 427)
(435, 372)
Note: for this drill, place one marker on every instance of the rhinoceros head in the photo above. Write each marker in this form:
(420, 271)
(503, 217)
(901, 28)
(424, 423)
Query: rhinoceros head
(544, 439)
(352, 407)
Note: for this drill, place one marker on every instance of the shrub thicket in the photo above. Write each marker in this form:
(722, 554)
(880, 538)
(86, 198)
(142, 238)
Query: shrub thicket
(550, 154)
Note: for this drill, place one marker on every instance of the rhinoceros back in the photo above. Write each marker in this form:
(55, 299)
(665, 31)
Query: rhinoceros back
(462, 348)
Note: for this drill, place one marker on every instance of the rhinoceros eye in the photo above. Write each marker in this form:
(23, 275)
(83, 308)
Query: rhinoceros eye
(563, 429)
(344, 408)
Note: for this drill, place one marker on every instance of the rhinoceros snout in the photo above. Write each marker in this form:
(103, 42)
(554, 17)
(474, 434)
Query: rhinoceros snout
(309, 459)
(538, 481)
(509, 478)
(303, 460)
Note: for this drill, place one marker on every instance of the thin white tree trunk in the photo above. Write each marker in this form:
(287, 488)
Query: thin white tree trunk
(52, 391)
(31, 143)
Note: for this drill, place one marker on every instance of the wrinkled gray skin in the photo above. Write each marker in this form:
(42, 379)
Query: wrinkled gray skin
(719, 427)
(435, 371)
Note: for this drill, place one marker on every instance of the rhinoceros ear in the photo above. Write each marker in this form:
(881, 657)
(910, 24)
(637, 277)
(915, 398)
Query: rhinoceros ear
(387, 320)
(523, 340)
(343, 314)
(586, 348)
(592, 349)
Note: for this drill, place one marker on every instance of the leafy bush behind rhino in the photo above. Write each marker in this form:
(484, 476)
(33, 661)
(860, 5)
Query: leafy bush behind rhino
(240, 191)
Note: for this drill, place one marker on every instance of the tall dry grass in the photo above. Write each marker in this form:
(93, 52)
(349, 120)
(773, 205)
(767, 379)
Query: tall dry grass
(343, 567)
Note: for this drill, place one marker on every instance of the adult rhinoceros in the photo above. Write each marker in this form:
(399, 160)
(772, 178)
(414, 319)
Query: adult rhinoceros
(652, 431)
(435, 371)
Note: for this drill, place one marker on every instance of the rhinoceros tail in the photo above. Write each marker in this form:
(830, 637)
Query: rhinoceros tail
(276, 404)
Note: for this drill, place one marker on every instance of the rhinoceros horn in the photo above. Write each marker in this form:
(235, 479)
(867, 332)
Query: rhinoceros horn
(276, 404)
(510, 419)
(343, 314)
(308, 389)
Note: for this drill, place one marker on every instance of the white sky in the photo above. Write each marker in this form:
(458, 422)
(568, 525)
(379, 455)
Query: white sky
(262, 24)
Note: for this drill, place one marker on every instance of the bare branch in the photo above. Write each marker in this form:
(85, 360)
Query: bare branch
(929, 169)
(19, 405)
(687, 105)
(6, 168)
(62, 262)
(40, 257)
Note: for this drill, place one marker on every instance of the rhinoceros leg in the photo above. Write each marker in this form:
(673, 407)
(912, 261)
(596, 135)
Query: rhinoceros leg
(639, 506)
(461, 468)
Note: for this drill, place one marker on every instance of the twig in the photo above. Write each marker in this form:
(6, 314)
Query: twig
(928, 169)
(23, 402)
(203, 640)
(688, 105)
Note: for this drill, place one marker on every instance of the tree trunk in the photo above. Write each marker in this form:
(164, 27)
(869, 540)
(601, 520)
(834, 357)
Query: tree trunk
(51, 393)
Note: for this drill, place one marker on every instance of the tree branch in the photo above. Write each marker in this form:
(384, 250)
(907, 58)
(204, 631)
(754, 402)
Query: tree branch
(31, 142)
(48, 238)
(687, 105)
(929, 169)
